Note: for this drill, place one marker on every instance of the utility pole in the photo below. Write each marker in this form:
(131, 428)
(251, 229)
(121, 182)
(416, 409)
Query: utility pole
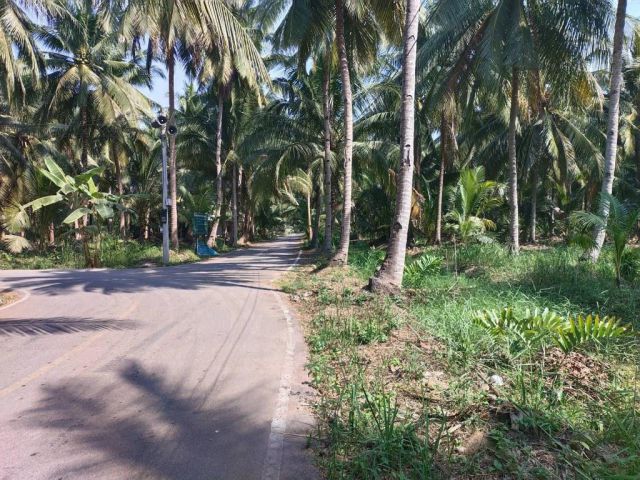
(161, 123)
(165, 199)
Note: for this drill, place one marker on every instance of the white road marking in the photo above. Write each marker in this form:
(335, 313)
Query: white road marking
(275, 447)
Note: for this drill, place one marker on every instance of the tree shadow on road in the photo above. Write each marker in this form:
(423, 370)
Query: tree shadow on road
(237, 269)
(147, 427)
(58, 325)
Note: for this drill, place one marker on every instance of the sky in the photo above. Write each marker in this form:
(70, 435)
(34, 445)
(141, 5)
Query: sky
(159, 91)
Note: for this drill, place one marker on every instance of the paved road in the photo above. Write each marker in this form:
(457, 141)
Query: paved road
(173, 373)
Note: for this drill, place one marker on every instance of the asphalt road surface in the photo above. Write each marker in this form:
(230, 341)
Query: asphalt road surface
(191, 372)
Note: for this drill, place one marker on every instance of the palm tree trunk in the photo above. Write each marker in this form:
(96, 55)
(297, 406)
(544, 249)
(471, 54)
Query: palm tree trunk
(612, 128)
(328, 221)
(443, 166)
(317, 195)
(247, 221)
(637, 153)
(84, 157)
(443, 163)
(389, 278)
(173, 182)
(309, 217)
(534, 207)
(552, 216)
(223, 217)
(342, 254)
(52, 234)
(417, 155)
(120, 185)
(234, 206)
(248, 227)
(241, 201)
(143, 215)
(147, 223)
(513, 166)
(216, 213)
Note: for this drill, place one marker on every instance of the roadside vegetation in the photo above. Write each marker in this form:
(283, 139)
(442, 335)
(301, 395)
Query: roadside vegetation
(487, 152)
(420, 386)
(114, 253)
(80, 160)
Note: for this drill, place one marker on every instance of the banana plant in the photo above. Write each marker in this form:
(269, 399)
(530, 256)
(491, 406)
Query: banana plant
(84, 200)
(622, 222)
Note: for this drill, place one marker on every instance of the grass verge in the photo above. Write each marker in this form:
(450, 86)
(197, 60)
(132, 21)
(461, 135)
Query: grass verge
(115, 253)
(412, 387)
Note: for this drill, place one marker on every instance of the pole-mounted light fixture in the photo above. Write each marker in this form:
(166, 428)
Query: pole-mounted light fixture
(161, 123)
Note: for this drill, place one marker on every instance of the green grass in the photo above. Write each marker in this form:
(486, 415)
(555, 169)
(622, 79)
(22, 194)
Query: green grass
(556, 278)
(115, 253)
(547, 421)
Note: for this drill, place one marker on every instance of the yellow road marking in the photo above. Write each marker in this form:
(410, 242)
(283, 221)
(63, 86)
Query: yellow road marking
(61, 359)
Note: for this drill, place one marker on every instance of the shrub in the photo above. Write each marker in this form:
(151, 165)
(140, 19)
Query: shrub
(416, 272)
(630, 265)
(366, 261)
(536, 329)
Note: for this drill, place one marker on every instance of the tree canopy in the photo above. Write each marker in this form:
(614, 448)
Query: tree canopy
(293, 117)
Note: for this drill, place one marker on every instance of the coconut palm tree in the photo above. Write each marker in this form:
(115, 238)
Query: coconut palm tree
(389, 277)
(19, 155)
(242, 114)
(89, 81)
(357, 28)
(307, 26)
(342, 254)
(375, 17)
(18, 48)
(185, 28)
(287, 138)
(611, 151)
(144, 183)
(499, 42)
(473, 197)
(223, 92)
(123, 142)
(228, 71)
(620, 223)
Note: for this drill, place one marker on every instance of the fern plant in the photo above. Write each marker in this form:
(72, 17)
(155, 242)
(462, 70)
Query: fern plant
(536, 329)
(416, 271)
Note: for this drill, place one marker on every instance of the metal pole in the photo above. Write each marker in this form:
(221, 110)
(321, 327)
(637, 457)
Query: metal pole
(165, 202)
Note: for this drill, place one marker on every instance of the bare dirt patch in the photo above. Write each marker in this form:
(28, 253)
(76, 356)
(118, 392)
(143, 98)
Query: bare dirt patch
(7, 297)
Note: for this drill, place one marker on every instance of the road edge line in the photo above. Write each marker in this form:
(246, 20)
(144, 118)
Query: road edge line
(275, 447)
